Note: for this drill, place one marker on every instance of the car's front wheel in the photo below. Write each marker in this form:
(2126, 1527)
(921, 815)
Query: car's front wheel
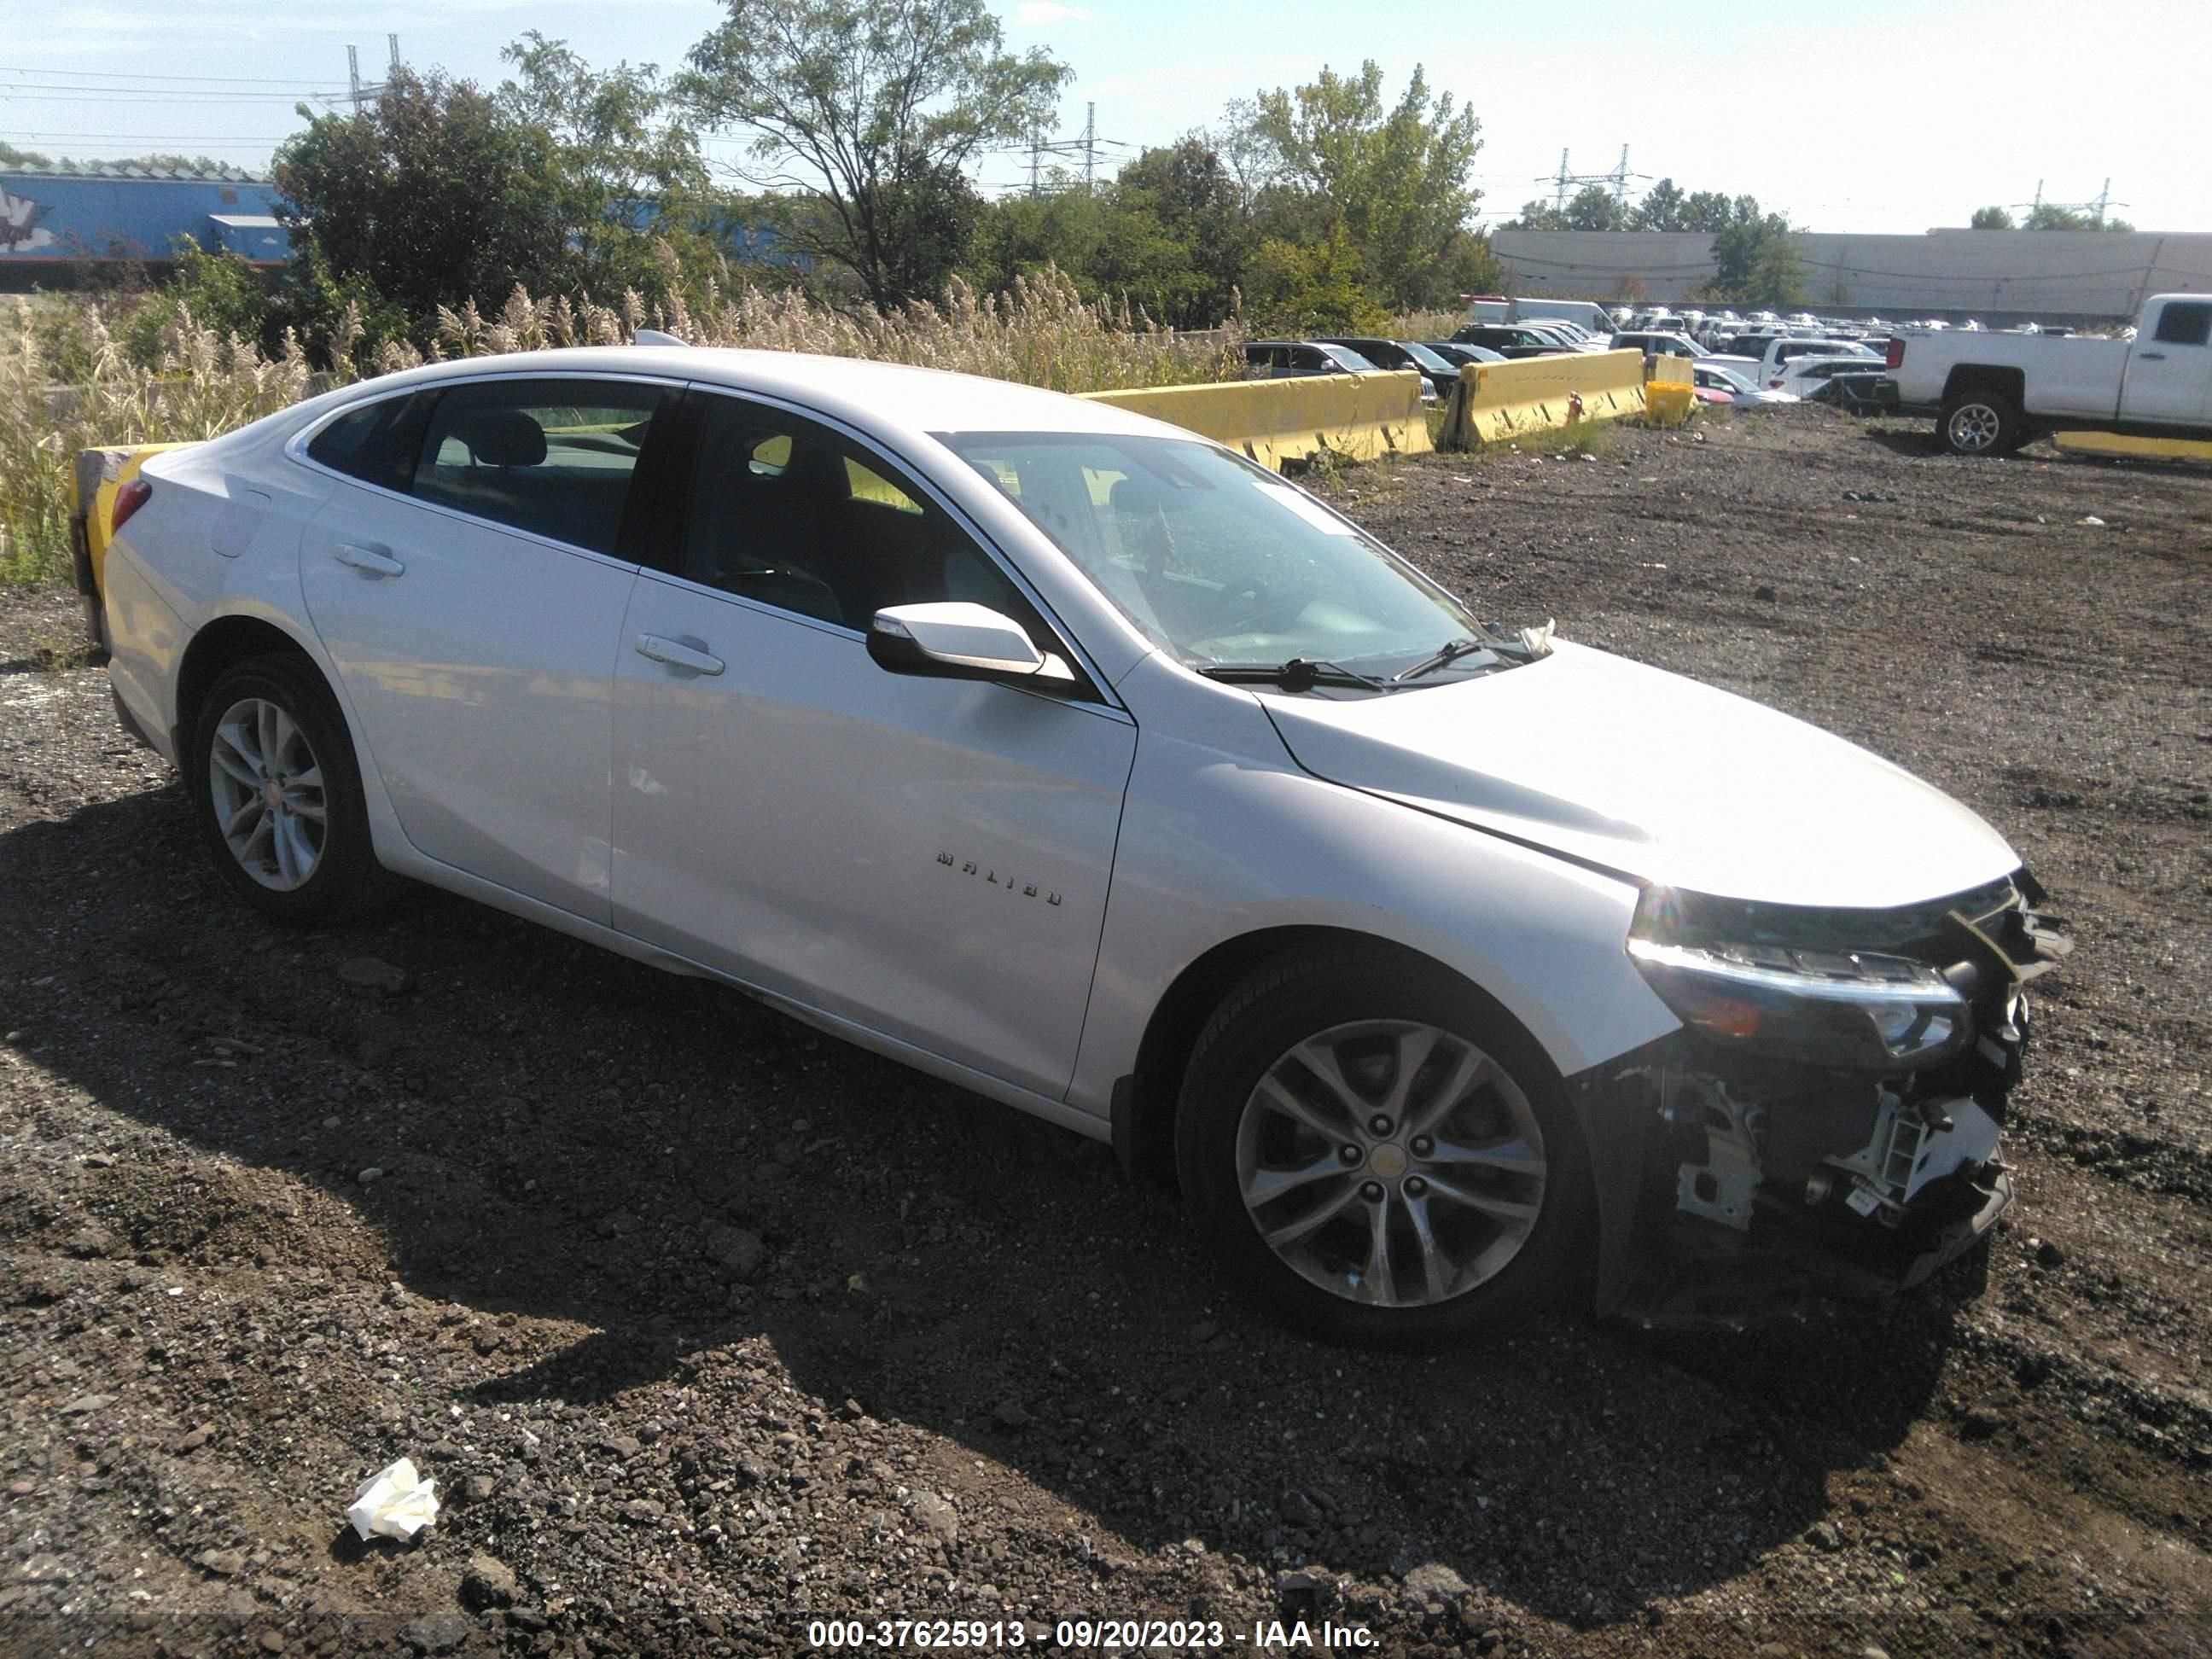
(280, 797)
(1378, 1152)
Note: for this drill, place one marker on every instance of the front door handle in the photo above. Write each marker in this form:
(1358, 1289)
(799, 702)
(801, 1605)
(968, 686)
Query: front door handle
(2150, 356)
(369, 561)
(676, 654)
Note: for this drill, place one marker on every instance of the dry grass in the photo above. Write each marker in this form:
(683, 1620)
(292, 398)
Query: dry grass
(1042, 333)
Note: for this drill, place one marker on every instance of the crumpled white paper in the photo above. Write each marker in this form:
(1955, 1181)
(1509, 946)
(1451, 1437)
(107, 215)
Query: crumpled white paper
(1537, 641)
(395, 1502)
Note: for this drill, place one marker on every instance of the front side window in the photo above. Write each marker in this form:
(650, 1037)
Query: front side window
(550, 457)
(2186, 322)
(1215, 560)
(788, 512)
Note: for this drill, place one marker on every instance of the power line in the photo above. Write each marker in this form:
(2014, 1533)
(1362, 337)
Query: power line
(104, 78)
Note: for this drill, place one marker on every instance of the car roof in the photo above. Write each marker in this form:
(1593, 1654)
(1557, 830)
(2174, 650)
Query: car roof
(877, 396)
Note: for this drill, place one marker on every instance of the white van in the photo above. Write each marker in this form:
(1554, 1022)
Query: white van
(1592, 316)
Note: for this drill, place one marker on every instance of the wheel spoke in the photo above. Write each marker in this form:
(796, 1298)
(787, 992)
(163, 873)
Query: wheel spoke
(248, 810)
(1376, 1282)
(1265, 1186)
(1282, 1100)
(1472, 1067)
(239, 762)
(1433, 1277)
(1514, 1155)
(271, 753)
(1498, 1209)
(1323, 1062)
(288, 867)
(1414, 1047)
(301, 806)
(255, 848)
(1313, 1220)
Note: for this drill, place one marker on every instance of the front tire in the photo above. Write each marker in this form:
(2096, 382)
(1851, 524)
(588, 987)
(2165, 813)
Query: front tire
(1978, 423)
(1376, 1151)
(278, 796)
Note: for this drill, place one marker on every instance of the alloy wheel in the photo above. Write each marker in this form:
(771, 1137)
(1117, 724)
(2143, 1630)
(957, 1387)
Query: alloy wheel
(1391, 1163)
(265, 788)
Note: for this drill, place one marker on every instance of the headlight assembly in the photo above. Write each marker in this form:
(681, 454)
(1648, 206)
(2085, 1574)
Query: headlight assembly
(1846, 1009)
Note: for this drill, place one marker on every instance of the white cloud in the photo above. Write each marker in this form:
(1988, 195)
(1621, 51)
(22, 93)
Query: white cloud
(1033, 12)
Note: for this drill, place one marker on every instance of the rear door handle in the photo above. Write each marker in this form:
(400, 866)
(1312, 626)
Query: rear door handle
(676, 654)
(369, 561)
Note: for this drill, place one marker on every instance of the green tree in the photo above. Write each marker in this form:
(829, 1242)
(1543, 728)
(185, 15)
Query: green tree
(1991, 218)
(1755, 259)
(2048, 216)
(623, 163)
(1595, 207)
(1176, 234)
(1311, 288)
(1395, 177)
(1664, 207)
(435, 195)
(1710, 211)
(1538, 216)
(864, 108)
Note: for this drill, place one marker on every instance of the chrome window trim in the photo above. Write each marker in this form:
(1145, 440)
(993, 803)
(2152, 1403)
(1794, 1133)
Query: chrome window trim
(295, 449)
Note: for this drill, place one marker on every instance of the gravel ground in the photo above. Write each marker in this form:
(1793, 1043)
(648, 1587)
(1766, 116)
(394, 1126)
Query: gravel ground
(706, 1325)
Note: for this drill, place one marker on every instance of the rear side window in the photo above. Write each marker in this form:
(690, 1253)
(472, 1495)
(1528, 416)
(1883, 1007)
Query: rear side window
(376, 444)
(553, 458)
(2186, 322)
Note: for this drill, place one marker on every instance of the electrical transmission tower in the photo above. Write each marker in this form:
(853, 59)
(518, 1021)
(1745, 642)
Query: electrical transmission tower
(1563, 179)
(2095, 209)
(362, 93)
(1088, 145)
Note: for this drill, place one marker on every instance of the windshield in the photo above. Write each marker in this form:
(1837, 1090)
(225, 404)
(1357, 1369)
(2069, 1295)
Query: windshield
(1727, 378)
(1218, 561)
(1348, 358)
(1429, 360)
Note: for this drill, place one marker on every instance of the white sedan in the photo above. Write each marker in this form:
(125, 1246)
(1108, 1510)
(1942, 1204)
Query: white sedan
(1079, 761)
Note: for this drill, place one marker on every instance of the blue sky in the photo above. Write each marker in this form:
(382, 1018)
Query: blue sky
(1944, 105)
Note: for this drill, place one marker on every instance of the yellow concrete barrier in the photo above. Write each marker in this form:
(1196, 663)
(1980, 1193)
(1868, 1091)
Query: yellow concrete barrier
(1363, 417)
(2127, 443)
(98, 475)
(1498, 401)
(1669, 388)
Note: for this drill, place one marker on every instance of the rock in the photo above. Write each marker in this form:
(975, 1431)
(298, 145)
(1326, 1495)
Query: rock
(1316, 1584)
(373, 974)
(372, 1174)
(1010, 1414)
(1763, 592)
(436, 1632)
(85, 1404)
(1204, 1331)
(272, 1641)
(738, 1252)
(1870, 1651)
(622, 1445)
(1432, 1581)
(197, 1438)
(21, 1488)
(1979, 1424)
(642, 1513)
(2049, 1255)
(1775, 1651)
(89, 1243)
(223, 1563)
(938, 1516)
(488, 1582)
(478, 1487)
(1823, 1536)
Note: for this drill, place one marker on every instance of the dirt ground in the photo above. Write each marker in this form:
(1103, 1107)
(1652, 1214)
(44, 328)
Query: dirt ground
(706, 1325)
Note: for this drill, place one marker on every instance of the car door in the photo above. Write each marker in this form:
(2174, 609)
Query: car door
(2170, 370)
(470, 595)
(927, 858)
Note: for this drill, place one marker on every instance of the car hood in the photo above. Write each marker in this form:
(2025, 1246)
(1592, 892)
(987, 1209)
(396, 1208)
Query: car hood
(1656, 777)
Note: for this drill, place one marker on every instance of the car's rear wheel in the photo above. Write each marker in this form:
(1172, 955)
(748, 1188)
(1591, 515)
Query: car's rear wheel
(1981, 423)
(280, 797)
(1378, 1152)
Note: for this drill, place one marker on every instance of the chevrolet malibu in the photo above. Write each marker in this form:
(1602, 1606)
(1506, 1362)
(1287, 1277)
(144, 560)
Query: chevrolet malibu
(1071, 757)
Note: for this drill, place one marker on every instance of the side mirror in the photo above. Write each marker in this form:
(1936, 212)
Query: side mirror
(957, 640)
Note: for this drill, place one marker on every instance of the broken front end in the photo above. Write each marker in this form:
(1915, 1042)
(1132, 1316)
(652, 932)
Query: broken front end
(1828, 1119)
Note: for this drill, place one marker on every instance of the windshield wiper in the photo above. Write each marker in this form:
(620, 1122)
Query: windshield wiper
(1451, 653)
(1298, 674)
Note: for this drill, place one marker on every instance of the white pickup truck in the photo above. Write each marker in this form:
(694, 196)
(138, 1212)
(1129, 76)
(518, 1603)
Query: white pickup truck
(1992, 393)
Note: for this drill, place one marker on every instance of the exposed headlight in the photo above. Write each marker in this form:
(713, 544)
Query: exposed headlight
(1851, 1009)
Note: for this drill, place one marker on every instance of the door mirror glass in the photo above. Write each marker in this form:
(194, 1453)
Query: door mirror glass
(957, 640)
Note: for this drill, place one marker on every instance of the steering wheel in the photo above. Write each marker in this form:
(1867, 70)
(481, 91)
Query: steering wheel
(1259, 604)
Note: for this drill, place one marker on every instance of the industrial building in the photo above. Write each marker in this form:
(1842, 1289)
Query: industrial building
(2078, 278)
(52, 219)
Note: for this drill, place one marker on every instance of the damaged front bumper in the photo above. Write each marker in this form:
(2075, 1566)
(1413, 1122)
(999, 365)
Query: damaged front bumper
(1732, 1187)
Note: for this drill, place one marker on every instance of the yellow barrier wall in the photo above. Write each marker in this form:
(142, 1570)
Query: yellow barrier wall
(104, 471)
(1495, 401)
(2126, 443)
(1363, 417)
(1669, 388)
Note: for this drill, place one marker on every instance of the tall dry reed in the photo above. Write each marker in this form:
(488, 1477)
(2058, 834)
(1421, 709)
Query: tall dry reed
(1044, 334)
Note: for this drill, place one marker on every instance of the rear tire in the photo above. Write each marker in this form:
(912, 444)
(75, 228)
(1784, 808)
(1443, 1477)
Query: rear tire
(1981, 423)
(1377, 1152)
(278, 797)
